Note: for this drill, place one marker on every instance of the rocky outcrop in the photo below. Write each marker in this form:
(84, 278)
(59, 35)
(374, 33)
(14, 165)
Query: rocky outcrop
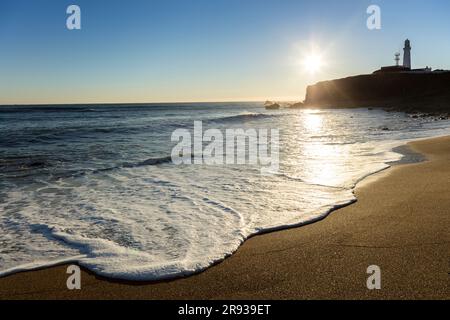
(409, 92)
(297, 105)
(269, 105)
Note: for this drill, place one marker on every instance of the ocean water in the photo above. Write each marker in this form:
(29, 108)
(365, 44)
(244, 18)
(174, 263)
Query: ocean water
(95, 184)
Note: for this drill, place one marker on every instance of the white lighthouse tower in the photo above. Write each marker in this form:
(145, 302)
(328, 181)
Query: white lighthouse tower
(407, 54)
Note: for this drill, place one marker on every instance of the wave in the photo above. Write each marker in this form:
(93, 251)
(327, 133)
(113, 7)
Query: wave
(289, 177)
(148, 162)
(25, 163)
(16, 166)
(244, 117)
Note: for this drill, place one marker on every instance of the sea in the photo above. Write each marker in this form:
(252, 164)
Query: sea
(96, 185)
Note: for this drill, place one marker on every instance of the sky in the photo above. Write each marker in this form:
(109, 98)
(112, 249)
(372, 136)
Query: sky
(139, 51)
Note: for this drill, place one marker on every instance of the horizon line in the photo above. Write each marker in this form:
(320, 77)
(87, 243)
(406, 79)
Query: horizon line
(138, 103)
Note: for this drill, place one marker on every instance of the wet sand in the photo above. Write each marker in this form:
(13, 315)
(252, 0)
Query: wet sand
(401, 223)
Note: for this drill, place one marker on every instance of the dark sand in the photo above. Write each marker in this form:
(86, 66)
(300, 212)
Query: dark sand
(401, 223)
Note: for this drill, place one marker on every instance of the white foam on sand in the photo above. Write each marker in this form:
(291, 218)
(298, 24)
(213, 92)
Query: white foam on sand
(132, 231)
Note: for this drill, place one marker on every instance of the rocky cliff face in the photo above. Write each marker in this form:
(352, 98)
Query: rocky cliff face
(410, 92)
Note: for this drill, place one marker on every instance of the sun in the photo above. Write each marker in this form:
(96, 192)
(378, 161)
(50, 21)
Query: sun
(313, 63)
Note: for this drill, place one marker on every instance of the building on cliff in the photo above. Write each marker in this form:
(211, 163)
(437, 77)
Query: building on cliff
(407, 54)
(406, 67)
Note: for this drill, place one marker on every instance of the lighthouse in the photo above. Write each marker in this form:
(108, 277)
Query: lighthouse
(406, 67)
(407, 54)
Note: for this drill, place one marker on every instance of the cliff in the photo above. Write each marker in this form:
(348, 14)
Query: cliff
(409, 92)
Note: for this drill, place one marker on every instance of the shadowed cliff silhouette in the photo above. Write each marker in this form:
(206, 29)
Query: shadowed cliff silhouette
(409, 92)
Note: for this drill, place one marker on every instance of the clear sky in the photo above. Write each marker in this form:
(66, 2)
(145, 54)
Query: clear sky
(204, 50)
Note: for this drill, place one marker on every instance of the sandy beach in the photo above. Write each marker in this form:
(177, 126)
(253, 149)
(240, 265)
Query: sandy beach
(401, 223)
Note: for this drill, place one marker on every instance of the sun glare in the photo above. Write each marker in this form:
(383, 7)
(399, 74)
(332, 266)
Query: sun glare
(313, 63)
